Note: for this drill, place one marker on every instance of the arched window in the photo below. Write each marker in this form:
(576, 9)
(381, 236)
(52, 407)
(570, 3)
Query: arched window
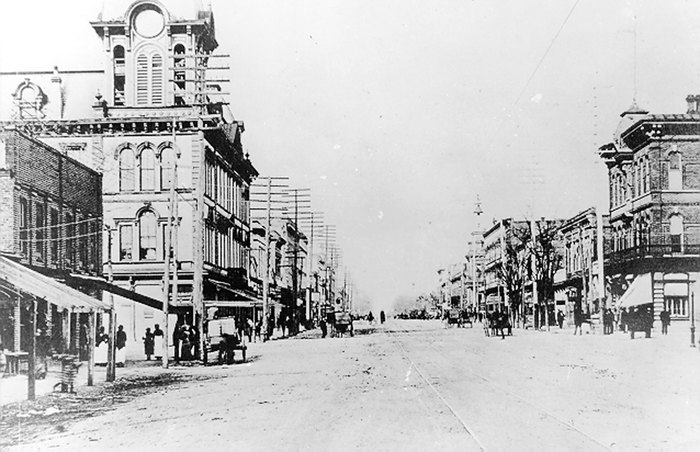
(676, 236)
(180, 75)
(675, 171)
(147, 165)
(149, 78)
(147, 235)
(142, 79)
(126, 170)
(167, 164)
(119, 75)
(156, 79)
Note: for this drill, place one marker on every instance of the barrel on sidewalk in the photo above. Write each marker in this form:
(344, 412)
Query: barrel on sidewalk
(69, 370)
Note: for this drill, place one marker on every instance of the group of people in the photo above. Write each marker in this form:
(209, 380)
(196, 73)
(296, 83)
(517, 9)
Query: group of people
(102, 346)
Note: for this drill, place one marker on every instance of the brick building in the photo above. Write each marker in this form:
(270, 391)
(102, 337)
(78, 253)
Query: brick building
(51, 222)
(654, 180)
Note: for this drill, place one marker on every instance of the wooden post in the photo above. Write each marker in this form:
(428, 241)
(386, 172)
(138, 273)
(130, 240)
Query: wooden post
(31, 367)
(18, 324)
(91, 347)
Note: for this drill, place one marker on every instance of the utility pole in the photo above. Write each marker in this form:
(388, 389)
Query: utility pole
(111, 368)
(198, 280)
(269, 183)
(477, 211)
(266, 259)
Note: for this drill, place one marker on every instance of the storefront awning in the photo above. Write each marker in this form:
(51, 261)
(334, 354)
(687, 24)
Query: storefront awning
(638, 293)
(23, 279)
(232, 304)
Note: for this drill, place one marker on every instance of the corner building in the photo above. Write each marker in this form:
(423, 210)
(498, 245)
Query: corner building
(654, 180)
(159, 115)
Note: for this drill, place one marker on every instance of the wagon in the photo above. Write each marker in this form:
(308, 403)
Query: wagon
(223, 338)
(343, 324)
(454, 317)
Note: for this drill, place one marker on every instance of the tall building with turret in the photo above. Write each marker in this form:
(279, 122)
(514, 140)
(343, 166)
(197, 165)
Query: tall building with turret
(154, 118)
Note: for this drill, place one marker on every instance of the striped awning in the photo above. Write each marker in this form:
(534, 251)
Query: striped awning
(33, 283)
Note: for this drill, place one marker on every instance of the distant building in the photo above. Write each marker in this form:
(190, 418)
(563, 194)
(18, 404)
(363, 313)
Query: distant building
(496, 239)
(578, 281)
(654, 180)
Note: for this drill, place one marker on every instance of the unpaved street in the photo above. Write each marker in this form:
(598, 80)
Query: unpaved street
(412, 385)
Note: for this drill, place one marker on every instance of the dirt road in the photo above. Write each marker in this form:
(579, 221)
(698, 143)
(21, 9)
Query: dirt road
(417, 386)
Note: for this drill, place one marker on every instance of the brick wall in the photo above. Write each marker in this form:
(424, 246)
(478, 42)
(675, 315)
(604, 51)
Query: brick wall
(55, 189)
(7, 211)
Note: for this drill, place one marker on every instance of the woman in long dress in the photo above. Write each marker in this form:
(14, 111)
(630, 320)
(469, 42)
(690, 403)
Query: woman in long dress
(101, 341)
(158, 342)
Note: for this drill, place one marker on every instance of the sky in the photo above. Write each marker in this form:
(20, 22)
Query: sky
(398, 113)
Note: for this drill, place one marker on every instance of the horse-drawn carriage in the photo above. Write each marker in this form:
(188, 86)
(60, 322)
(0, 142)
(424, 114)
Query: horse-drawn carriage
(222, 337)
(342, 324)
(454, 318)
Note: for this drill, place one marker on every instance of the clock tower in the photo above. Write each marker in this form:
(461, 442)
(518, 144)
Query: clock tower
(156, 52)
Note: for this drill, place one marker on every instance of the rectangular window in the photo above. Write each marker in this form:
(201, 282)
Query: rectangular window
(83, 244)
(70, 241)
(39, 234)
(23, 226)
(677, 306)
(126, 242)
(54, 236)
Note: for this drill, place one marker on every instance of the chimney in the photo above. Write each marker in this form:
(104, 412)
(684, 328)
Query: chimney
(692, 103)
(55, 94)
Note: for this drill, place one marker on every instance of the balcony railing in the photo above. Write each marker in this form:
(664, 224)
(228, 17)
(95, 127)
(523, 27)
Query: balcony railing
(655, 251)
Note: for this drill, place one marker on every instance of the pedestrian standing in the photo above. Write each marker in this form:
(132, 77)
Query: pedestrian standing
(148, 344)
(120, 358)
(249, 327)
(382, 317)
(665, 318)
(177, 331)
(578, 321)
(186, 343)
(158, 339)
(324, 328)
(560, 319)
(258, 330)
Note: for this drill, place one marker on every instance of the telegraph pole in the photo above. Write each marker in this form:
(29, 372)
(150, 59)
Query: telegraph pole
(266, 258)
(111, 337)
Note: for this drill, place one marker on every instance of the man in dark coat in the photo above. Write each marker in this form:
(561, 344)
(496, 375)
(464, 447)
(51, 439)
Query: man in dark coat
(665, 318)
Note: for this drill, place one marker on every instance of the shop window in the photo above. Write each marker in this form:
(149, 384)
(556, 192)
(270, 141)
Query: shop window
(677, 306)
